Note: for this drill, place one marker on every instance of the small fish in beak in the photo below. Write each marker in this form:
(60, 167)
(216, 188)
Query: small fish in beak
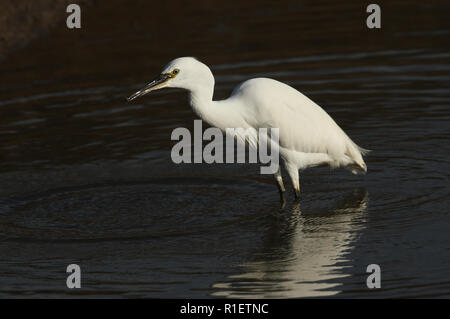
(156, 84)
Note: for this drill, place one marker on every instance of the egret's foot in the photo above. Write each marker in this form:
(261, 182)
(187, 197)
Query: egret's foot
(296, 208)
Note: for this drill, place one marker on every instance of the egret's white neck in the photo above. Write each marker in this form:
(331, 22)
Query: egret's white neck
(221, 114)
(201, 101)
(200, 96)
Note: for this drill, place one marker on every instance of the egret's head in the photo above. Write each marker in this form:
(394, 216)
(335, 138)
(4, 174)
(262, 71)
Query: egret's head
(184, 73)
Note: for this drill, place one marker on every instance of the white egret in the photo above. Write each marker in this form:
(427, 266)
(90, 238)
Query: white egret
(308, 136)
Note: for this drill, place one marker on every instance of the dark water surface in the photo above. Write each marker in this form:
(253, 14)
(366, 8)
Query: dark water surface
(87, 178)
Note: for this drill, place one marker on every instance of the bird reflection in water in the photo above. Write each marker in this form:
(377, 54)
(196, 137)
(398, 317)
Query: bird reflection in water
(301, 252)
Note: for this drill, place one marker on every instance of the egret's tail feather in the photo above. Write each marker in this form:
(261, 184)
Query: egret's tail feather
(363, 151)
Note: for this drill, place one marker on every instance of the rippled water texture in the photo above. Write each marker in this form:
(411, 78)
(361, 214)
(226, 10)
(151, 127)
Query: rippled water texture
(87, 178)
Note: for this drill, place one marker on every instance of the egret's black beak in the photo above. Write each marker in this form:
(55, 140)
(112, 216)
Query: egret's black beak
(156, 84)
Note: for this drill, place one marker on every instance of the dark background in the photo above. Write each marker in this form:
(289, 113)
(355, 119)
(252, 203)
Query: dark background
(87, 178)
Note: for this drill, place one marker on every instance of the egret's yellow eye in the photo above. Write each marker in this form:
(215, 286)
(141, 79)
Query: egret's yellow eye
(175, 72)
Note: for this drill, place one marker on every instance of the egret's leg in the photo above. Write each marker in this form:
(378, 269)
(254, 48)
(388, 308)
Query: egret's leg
(280, 185)
(293, 174)
(297, 190)
(279, 180)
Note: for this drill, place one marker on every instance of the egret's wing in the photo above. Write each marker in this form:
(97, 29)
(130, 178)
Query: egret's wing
(303, 125)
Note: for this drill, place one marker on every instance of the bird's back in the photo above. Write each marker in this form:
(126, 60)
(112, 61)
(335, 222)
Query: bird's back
(304, 126)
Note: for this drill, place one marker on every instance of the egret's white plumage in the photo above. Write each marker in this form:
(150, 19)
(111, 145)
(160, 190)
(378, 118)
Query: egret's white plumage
(308, 136)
